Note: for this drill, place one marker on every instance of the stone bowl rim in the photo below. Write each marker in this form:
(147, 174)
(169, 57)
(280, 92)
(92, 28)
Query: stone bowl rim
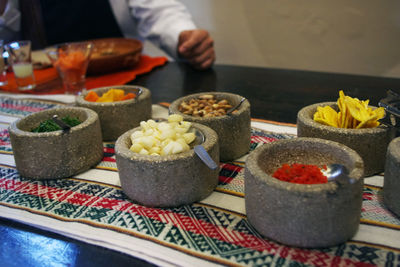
(309, 121)
(80, 99)
(175, 104)
(91, 118)
(254, 168)
(122, 150)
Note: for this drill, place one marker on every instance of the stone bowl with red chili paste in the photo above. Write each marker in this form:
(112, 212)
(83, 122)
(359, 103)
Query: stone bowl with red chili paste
(300, 214)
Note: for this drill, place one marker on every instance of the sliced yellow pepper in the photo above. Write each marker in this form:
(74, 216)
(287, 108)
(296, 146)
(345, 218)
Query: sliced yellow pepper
(353, 113)
(326, 115)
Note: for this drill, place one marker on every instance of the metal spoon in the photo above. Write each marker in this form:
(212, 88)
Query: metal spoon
(65, 127)
(235, 107)
(338, 173)
(205, 157)
(202, 152)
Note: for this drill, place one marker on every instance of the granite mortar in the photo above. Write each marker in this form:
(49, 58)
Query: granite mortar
(370, 143)
(56, 154)
(167, 181)
(118, 117)
(391, 184)
(318, 215)
(234, 130)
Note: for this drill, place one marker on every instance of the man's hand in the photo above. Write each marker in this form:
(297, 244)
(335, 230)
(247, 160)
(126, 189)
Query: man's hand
(197, 47)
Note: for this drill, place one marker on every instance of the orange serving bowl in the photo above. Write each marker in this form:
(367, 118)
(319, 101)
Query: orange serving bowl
(113, 54)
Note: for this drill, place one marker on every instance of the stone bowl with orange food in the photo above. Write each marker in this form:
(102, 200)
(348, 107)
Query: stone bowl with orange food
(119, 110)
(298, 213)
(370, 143)
(210, 109)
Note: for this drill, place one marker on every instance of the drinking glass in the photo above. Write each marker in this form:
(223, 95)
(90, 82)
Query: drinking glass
(71, 61)
(3, 67)
(19, 57)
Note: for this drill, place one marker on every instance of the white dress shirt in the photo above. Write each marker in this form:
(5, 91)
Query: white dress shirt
(159, 21)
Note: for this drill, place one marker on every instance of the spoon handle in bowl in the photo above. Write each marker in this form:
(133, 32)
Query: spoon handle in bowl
(236, 107)
(65, 127)
(205, 157)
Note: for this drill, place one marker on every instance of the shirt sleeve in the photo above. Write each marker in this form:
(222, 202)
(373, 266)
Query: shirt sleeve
(161, 22)
(11, 18)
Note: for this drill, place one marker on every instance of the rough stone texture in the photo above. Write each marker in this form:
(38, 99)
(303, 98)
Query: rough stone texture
(391, 185)
(233, 130)
(370, 143)
(167, 181)
(56, 154)
(121, 116)
(319, 215)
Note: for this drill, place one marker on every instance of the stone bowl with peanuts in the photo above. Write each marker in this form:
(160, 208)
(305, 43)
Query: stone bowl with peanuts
(158, 166)
(213, 109)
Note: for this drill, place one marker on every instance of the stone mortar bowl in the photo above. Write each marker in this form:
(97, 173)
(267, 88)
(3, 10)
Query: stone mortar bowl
(118, 117)
(317, 215)
(56, 154)
(167, 181)
(370, 143)
(234, 130)
(391, 185)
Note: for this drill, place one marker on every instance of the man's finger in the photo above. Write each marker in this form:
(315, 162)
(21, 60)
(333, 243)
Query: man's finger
(204, 60)
(189, 39)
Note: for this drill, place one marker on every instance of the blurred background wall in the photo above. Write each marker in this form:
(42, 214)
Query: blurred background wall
(345, 36)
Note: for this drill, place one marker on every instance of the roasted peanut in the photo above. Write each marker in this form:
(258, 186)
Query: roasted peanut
(205, 106)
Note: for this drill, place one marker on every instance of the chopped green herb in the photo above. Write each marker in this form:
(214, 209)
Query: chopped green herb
(50, 126)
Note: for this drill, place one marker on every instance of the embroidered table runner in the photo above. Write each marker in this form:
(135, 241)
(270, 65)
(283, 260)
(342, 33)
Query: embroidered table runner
(92, 207)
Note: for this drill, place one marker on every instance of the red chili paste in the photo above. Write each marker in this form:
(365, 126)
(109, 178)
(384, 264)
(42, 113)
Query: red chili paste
(300, 174)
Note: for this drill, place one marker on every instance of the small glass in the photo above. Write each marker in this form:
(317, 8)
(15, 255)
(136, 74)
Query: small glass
(3, 67)
(19, 57)
(71, 61)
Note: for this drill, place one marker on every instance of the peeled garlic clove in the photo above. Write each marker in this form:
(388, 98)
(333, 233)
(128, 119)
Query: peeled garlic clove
(175, 118)
(136, 147)
(189, 137)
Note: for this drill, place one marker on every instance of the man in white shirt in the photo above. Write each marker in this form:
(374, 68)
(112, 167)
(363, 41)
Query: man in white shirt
(166, 23)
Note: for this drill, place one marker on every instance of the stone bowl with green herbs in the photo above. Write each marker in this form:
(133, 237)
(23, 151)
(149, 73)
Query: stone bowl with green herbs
(43, 150)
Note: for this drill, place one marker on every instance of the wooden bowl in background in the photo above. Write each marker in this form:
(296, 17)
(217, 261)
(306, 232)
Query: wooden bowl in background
(113, 54)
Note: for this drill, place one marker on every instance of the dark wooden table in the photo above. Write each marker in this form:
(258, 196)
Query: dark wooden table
(274, 94)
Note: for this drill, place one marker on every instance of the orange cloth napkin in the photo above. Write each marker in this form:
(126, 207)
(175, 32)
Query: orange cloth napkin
(48, 81)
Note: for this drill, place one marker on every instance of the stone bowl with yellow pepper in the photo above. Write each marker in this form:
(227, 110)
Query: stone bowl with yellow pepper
(351, 122)
(120, 108)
